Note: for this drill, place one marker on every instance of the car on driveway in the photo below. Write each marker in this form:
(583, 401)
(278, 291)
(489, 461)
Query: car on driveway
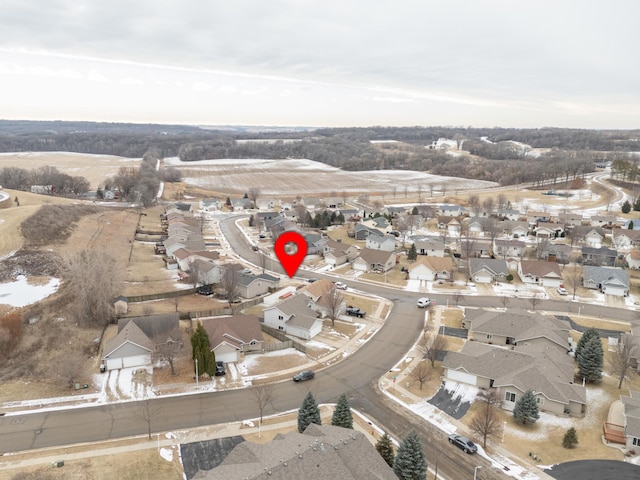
(463, 443)
(341, 286)
(562, 290)
(220, 370)
(304, 375)
(356, 312)
(424, 302)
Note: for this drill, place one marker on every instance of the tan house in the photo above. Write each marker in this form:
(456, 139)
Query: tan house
(251, 286)
(547, 274)
(294, 316)
(547, 372)
(374, 261)
(431, 268)
(233, 337)
(337, 253)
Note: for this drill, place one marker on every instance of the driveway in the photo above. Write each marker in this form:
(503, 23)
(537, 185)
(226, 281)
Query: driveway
(595, 470)
(454, 399)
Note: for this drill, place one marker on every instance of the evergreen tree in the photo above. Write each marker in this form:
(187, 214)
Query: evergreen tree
(309, 413)
(590, 360)
(342, 414)
(340, 219)
(385, 449)
(586, 336)
(412, 254)
(626, 207)
(636, 205)
(201, 350)
(414, 211)
(570, 438)
(526, 409)
(228, 202)
(410, 463)
(630, 227)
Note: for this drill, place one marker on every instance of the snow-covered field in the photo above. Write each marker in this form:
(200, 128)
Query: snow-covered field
(301, 176)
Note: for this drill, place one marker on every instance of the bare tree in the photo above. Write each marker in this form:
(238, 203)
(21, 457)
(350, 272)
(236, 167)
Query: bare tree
(254, 194)
(488, 205)
(70, 367)
(573, 278)
(196, 273)
(534, 300)
(435, 347)
(486, 422)
(262, 260)
(474, 204)
(502, 202)
(92, 281)
(229, 282)
(168, 347)
(623, 358)
(263, 395)
(345, 197)
(420, 373)
(333, 302)
(144, 412)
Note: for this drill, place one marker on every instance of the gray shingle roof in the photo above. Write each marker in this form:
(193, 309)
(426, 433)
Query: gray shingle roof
(605, 275)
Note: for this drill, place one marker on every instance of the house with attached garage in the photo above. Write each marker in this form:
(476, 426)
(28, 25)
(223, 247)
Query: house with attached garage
(337, 253)
(432, 268)
(516, 327)
(514, 228)
(608, 221)
(381, 242)
(251, 286)
(294, 316)
(488, 270)
(509, 248)
(361, 232)
(429, 246)
(625, 238)
(631, 405)
(137, 339)
(233, 337)
(603, 256)
(547, 274)
(210, 204)
(546, 371)
(555, 252)
(451, 210)
(315, 243)
(609, 280)
(586, 235)
(377, 261)
(633, 259)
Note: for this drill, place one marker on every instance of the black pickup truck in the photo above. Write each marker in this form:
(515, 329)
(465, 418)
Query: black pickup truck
(356, 312)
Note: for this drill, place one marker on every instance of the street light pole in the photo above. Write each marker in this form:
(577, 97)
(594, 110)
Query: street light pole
(475, 472)
(196, 372)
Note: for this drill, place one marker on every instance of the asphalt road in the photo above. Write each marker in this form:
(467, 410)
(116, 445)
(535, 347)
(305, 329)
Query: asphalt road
(356, 377)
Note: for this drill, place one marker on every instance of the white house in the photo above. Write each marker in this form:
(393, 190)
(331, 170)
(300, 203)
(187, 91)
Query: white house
(431, 268)
(374, 261)
(546, 274)
(381, 242)
(294, 316)
(130, 348)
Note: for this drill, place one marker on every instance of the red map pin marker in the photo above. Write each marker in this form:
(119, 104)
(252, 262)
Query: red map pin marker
(290, 261)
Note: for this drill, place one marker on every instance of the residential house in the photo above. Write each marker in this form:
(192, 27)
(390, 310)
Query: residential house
(381, 224)
(633, 259)
(205, 272)
(429, 246)
(320, 452)
(587, 235)
(179, 207)
(633, 339)
(517, 327)
(210, 204)
(509, 248)
(397, 211)
(318, 292)
(608, 221)
(251, 286)
(194, 242)
(186, 257)
(233, 337)
(477, 225)
(432, 268)
(609, 280)
(631, 405)
(315, 243)
(267, 204)
(374, 261)
(475, 247)
(544, 370)
(510, 214)
(260, 218)
(487, 270)
(515, 229)
(240, 204)
(572, 219)
(454, 227)
(547, 274)
(556, 252)
(604, 257)
(544, 230)
(451, 210)
(622, 238)
(363, 231)
(533, 217)
(381, 242)
(294, 316)
(138, 338)
(312, 203)
(337, 253)
(277, 226)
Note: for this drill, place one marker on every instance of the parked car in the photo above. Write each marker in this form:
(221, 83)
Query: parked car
(255, 248)
(340, 286)
(262, 236)
(463, 442)
(304, 375)
(424, 302)
(356, 312)
(205, 290)
(220, 370)
(562, 290)
(311, 280)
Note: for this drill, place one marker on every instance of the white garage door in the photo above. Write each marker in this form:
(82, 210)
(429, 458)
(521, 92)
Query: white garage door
(125, 362)
(229, 357)
(462, 377)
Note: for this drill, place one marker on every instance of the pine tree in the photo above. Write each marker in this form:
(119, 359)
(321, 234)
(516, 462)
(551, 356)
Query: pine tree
(201, 350)
(414, 211)
(570, 438)
(526, 409)
(385, 449)
(410, 463)
(626, 207)
(342, 414)
(309, 413)
(412, 254)
(590, 360)
(586, 336)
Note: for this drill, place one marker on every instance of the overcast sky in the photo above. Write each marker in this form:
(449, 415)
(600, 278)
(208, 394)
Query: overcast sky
(510, 63)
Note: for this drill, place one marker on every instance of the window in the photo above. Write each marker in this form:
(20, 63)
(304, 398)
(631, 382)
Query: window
(636, 442)
(280, 317)
(489, 336)
(510, 397)
(540, 400)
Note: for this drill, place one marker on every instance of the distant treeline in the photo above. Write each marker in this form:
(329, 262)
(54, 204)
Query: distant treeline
(499, 154)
